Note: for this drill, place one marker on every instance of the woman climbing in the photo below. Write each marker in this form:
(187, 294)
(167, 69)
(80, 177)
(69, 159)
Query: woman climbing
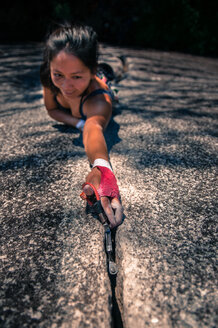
(75, 95)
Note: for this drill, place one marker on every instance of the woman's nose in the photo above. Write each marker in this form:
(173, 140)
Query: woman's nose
(67, 84)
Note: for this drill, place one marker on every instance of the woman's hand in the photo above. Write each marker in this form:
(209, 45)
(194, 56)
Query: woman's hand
(105, 183)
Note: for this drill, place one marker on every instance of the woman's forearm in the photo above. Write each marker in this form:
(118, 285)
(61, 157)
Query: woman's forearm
(94, 142)
(62, 117)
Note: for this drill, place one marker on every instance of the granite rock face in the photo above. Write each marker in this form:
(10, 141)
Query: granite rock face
(163, 148)
(53, 265)
(166, 247)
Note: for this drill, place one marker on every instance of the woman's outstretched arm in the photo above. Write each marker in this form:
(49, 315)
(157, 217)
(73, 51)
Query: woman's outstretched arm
(96, 149)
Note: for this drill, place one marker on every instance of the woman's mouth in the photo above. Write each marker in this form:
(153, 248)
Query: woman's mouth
(68, 93)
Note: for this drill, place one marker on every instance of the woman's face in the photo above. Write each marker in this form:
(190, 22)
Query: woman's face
(70, 75)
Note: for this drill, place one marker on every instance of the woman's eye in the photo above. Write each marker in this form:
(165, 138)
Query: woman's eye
(76, 77)
(57, 75)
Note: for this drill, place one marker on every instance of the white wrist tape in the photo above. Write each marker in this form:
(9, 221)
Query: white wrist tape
(102, 162)
(80, 125)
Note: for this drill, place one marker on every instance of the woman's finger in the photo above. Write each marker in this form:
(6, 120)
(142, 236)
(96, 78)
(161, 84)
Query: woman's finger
(113, 210)
(105, 202)
(118, 210)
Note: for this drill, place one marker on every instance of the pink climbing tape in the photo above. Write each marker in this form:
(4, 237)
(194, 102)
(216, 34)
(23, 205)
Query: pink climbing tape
(108, 185)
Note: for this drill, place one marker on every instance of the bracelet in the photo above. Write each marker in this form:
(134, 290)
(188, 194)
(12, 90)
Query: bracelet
(102, 162)
(80, 125)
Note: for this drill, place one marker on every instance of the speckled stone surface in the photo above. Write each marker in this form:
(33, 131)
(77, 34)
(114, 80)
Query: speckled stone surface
(53, 264)
(163, 148)
(166, 248)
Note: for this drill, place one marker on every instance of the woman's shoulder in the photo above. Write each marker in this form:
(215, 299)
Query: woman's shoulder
(98, 83)
(98, 92)
(97, 100)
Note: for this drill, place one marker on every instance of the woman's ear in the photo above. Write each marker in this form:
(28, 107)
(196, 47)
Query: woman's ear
(94, 72)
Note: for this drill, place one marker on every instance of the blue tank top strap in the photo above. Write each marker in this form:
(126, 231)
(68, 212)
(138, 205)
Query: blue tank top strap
(92, 94)
(64, 109)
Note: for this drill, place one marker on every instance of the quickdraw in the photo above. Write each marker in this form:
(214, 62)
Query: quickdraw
(95, 202)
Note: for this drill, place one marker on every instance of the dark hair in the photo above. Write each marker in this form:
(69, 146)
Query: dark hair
(78, 40)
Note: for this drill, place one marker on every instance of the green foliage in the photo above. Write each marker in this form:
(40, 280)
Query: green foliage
(181, 25)
(61, 11)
